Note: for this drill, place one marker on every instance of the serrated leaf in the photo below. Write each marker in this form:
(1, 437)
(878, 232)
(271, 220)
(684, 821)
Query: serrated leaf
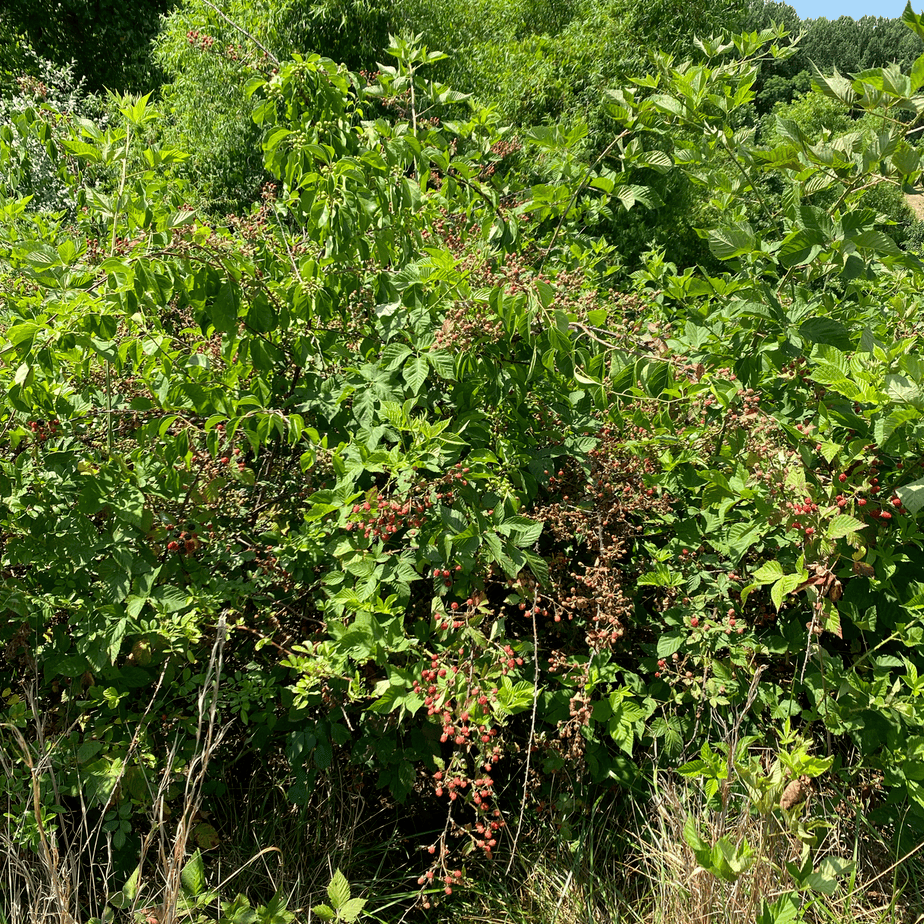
(443, 363)
(500, 556)
(742, 536)
(830, 451)
(338, 891)
(323, 912)
(223, 311)
(912, 495)
(843, 525)
(662, 576)
(415, 373)
(192, 878)
(877, 242)
(669, 730)
(352, 910)
(884, 427)
(727, 243)
(815, 766)
(784, 910)
(629, 195)
(522, 526)
(669, 642)
(393, 355)
(693, 839)
(769, 571)
(538, 566)
(784, 586)
(826, 330)
(622, 731)
(127, 895)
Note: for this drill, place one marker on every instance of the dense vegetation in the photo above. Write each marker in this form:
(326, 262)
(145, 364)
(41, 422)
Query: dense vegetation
(497, 475)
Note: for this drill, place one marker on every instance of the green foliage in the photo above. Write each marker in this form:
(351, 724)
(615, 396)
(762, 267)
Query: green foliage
(208, 58)
(847, 44)
(550, 61)
(387, 479)
(342, 907)
(818, 115)
(107, 40)
(14, 55)
(36, 119)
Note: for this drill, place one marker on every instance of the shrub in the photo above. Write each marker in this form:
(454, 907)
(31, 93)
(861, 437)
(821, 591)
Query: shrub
(208, 61)
(384, 483)
(107, 42)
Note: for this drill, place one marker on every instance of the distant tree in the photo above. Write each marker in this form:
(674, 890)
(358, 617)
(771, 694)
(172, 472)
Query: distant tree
(107, 40)
(852, 45)
(208, 58)
(846, 44)
(548, 60)
(15, 60)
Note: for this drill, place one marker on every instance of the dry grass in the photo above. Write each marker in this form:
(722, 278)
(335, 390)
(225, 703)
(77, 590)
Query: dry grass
(67, 879)
(637, 868)
(630, 863)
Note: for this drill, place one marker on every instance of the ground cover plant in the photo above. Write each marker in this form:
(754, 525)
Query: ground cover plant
(408, 506)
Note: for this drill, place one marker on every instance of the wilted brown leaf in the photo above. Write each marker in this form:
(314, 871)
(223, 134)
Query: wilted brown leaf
(795, 793)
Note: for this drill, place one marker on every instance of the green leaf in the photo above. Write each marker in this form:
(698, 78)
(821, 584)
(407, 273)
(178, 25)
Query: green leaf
(701, 850)
(799, 248)
(514, 698)
(19, 333)
(415, 373)
(526, 531)
(727, 243)
(742, 536)
(824, 879)
(662, 576)
(830, 451)
(784, 586)
(192, 877)
(223, 312)
(352, 909)
(913, 21)
(669, 642)
(843, 525)
(338, 892)
(785, 910)
(629, 195)
(324, 913)
(443, 363)
(876, 241)
(912, 495)
(238, 911)
(394, 355)
(768, 572)
(826, 330)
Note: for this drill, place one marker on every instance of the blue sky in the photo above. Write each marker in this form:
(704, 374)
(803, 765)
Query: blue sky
(832, 9)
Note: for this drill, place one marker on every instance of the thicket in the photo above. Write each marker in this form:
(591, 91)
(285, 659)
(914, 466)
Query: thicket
(107, 41)
(415, 506)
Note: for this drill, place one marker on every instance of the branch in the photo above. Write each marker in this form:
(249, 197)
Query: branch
(243, 31)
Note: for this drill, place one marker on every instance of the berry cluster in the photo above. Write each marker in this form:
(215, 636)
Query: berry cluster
(595, 523)
(806, 507)
(44, 429)
(459, 613)
(451, 878)
(186, 541)
(502, 149)
(32, 86)
(200, 40)
(383, 518)
(468, 322)
(458, 692)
